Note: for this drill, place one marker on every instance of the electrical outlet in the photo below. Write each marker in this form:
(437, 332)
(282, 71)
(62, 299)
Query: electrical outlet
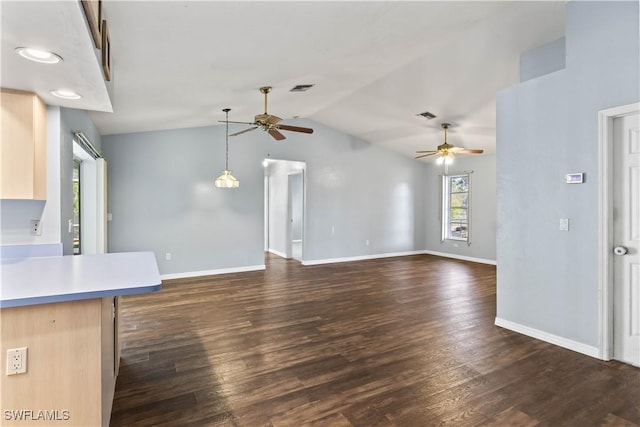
(367, 242)
(167, 256)
(36, 228)
(564, 224)
(17, 361)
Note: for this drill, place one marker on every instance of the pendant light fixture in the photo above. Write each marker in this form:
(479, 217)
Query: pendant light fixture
(226, 180)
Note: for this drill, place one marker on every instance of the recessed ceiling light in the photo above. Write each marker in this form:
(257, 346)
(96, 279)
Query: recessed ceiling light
(38, 55)
(65, 94)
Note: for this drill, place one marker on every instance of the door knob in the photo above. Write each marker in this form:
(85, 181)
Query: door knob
(620, 250)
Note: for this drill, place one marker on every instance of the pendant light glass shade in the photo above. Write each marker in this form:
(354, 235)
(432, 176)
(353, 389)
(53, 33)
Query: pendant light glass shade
(226, 180)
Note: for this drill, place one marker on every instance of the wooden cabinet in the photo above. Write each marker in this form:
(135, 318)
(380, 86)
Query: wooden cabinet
(23, 146)
(73, 354)
(110, 349)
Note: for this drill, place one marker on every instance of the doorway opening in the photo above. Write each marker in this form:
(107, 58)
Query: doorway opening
(88, 226)
(284, 208)
(77, 201)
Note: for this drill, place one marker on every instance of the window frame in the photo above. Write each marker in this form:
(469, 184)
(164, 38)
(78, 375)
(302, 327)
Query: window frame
(445, 205)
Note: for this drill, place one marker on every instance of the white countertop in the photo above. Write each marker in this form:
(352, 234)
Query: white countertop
(30, 281)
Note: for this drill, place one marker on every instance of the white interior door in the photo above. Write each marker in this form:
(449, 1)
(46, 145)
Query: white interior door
(626, 238)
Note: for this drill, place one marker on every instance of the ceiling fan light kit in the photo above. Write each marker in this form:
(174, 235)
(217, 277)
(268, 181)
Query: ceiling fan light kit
(446, 159)
(226, 180)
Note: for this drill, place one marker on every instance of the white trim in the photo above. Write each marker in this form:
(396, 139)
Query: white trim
(398, 254)
(88, 207)
(605, 225)
(360, 258)
(101, 206)
(462, 257)
(276, 252)
(212, 272)
(550, 338)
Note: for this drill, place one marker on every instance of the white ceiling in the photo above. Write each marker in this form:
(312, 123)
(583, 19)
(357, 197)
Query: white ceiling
(375, 65)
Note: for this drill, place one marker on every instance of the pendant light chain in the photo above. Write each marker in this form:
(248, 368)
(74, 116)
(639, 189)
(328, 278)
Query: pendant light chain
(226, 162)
(226, 180)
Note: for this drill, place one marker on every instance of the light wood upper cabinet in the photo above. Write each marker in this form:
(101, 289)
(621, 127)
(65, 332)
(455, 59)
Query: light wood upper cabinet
(23, 146)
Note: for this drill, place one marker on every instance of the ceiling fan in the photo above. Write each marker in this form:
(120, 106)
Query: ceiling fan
(269, 123)
(446, 152)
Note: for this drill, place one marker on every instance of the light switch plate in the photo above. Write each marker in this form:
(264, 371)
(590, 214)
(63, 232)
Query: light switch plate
(564, 224)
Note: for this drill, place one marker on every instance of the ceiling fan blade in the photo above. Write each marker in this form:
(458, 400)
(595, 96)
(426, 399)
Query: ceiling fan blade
(425, 155)
(460, 150)
(295, 128)
(427, 151)
(231, 121)
(243, 131)
(277, 135)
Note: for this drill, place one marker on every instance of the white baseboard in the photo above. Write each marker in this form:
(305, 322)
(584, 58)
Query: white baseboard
(211, 272)
(359, 258)
(550, 338)
(275, 252)
(462, 257)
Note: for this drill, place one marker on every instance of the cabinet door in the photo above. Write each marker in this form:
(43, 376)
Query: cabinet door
(109, 349)
(23, 150)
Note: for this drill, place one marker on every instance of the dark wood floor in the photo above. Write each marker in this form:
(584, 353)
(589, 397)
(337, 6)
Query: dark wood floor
(394, 342)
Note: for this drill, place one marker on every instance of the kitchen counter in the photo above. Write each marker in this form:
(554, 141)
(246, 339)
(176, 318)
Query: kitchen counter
(64, 310)
(44, 280)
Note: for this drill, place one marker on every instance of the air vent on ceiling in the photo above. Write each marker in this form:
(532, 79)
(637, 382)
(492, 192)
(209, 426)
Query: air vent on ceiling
(427, 115)
(301, 88)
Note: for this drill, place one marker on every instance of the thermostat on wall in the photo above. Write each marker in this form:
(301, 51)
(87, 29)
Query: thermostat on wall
(574, 178)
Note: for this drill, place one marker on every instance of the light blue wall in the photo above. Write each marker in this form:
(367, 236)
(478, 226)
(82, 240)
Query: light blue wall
(547, 127)
(483, 208)
(543, 60)
(162, 197)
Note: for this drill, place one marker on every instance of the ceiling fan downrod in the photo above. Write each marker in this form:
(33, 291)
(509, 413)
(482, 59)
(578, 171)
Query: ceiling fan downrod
(265, 90)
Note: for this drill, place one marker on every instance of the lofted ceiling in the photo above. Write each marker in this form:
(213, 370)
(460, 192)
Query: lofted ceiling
(375, 65)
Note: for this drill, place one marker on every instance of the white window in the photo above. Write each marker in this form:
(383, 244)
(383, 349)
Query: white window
(455, 207)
